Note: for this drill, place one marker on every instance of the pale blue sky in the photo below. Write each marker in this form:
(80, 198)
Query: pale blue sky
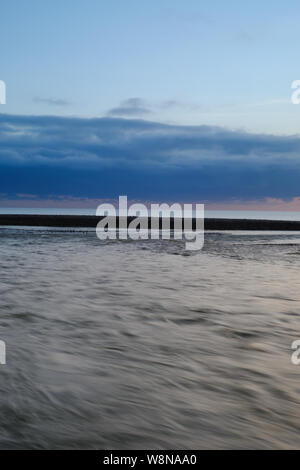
(188, 62)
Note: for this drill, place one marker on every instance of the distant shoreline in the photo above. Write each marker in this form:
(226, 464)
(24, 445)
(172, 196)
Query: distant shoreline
(86, 221)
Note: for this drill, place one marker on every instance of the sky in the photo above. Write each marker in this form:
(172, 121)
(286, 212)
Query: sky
(162, 100)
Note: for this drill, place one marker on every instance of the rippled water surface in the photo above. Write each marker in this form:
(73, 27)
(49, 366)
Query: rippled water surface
(145, 345)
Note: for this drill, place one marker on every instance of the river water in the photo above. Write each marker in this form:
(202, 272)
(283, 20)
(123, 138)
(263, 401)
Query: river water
(141, 344)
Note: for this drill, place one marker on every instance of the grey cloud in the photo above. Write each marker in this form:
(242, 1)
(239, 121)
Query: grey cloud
(130, 107)
(52, 101)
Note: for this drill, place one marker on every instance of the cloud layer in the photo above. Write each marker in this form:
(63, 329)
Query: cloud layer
(130, 107)
(95, 158)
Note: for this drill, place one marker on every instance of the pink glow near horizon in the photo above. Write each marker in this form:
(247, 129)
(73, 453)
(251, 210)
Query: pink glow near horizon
(30, 201)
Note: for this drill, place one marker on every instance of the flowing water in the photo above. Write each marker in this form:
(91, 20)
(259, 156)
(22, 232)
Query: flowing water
(145, 345)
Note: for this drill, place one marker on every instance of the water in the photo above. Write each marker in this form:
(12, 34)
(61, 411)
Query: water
(145, 345)
(222, 214)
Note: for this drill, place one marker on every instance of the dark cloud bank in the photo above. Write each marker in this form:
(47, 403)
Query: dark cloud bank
(106, 157)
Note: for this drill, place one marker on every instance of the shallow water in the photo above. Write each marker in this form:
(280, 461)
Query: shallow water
(222, 214)
(145, 345)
